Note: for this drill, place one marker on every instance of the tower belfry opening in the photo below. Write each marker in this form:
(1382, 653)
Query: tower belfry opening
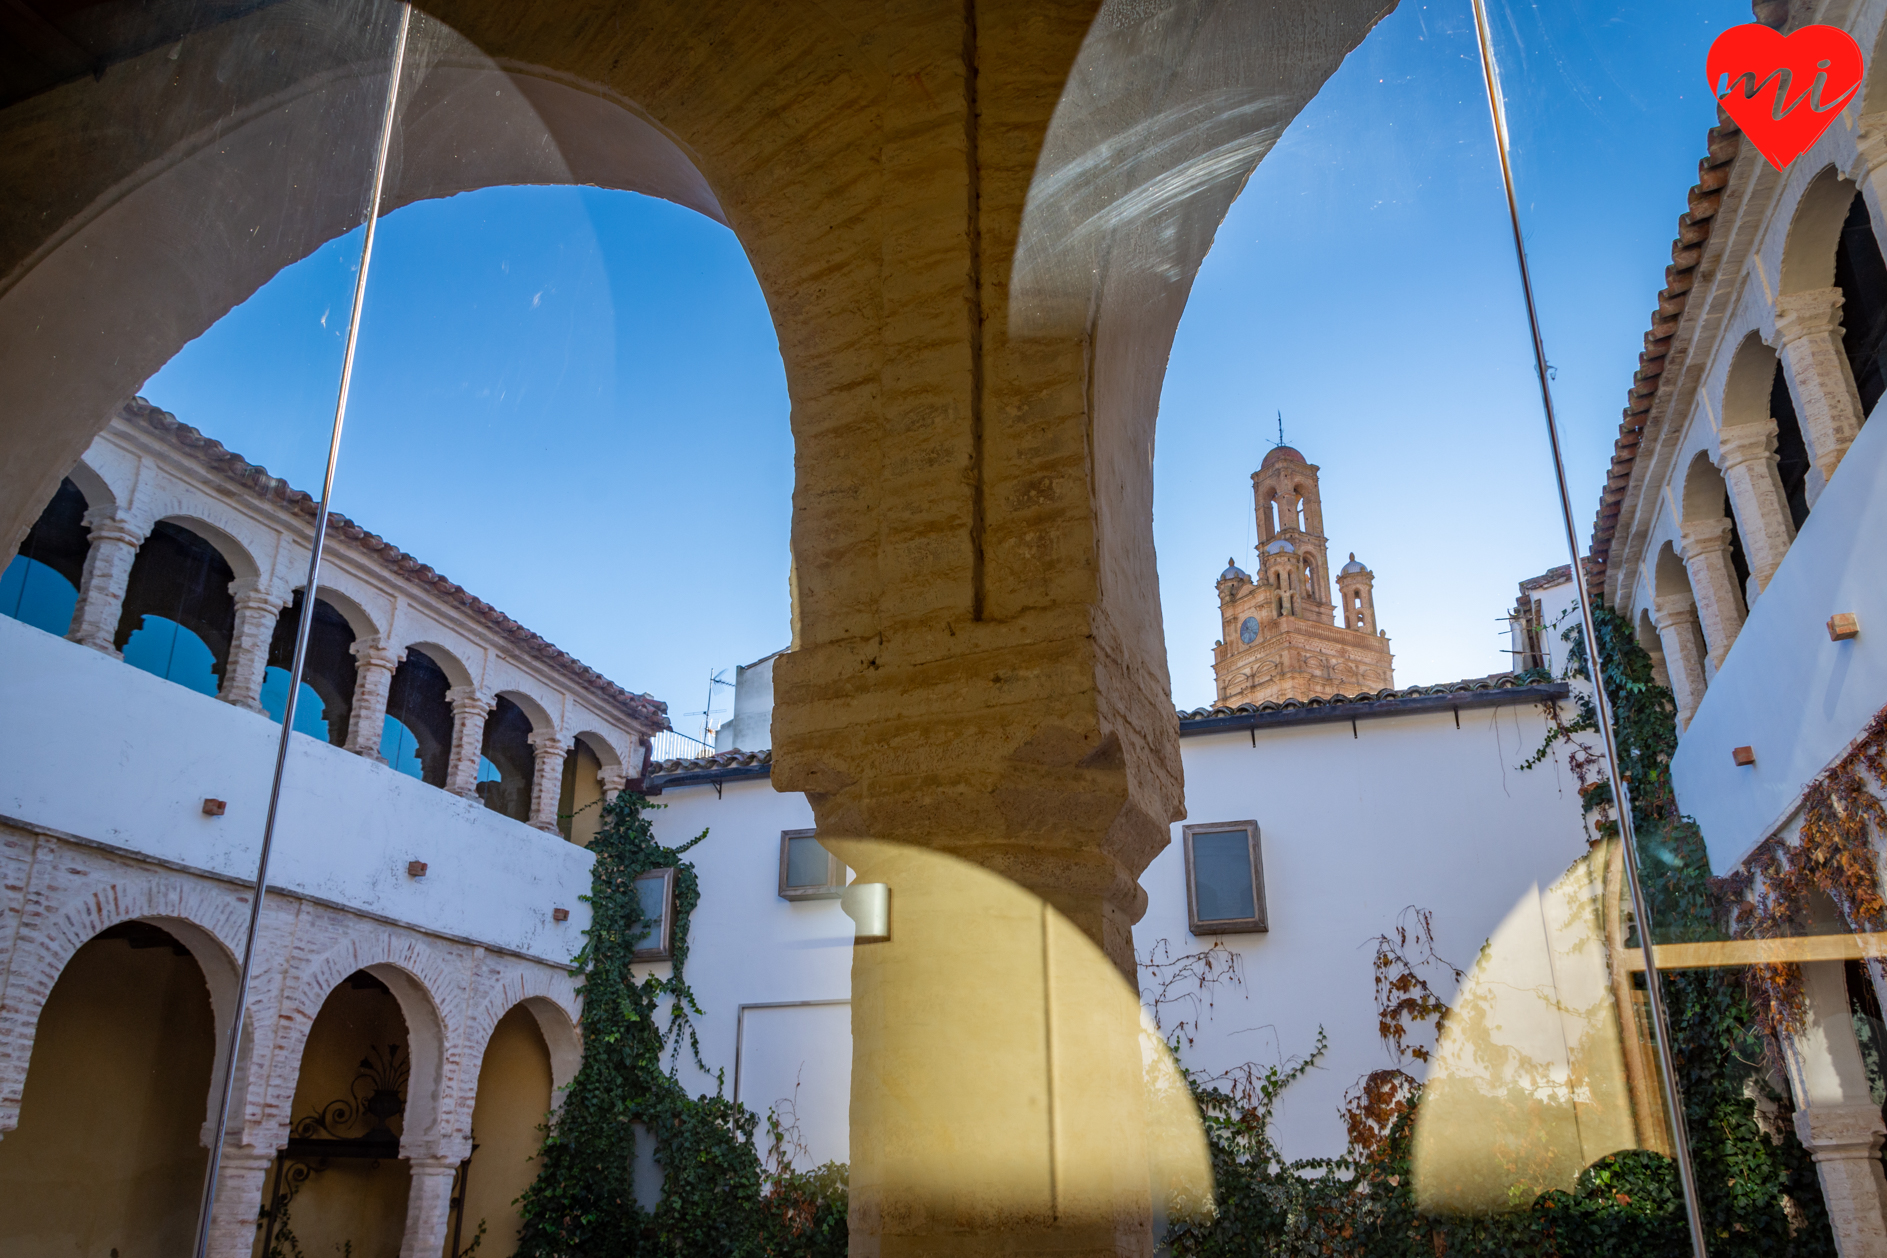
(1285, 637)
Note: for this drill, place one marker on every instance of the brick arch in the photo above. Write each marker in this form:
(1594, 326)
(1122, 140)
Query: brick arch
(430, 992)
(551, 996)
(237, 539)
(216, 920)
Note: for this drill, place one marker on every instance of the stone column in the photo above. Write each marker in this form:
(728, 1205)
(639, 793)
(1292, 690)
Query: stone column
(1675, 615)
(1747, 456)
(257, 608)
(428, 1206)
(613, 780)
(1834, 1115)
(470, 707)
(374, 664)
(102, 583)
(546, 780)
(242, 1176)
(1713, 584)
(1809, 327)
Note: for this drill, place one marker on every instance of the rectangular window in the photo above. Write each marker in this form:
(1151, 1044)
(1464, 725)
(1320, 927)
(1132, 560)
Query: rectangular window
(1225, 879)
(807, 870)
(654, 940)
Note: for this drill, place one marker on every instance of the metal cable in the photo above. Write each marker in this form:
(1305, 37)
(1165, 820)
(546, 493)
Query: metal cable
(1660, 1029)
(233, 1046)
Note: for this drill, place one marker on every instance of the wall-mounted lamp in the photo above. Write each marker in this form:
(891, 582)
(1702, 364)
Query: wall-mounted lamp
(214, 807)
(868, 904)
(1744, 756)
(415, 869)
(1842, 626)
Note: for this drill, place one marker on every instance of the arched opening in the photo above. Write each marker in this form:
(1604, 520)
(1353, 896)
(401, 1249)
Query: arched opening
(417, 738)
(1861, 275)
(339, 1185)
(327, 676)
(1707, 498)
(580, 800)
(178, 610)
(504, 776)
(514, 1096)
(107, 1157)
(1647, 635)
(1792, 461)
(41, 584)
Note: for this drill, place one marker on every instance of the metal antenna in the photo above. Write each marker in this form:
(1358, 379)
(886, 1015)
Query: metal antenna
(1602, 708)
(233, 1049)
(1280, 427)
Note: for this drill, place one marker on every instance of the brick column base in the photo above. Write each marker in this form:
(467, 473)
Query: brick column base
(428, 1207)
(240, 1178)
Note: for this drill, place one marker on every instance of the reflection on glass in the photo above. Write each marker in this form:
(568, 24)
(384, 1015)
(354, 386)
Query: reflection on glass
(309, 718)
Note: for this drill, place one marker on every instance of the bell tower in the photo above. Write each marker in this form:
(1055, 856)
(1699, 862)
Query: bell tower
(1283, 636)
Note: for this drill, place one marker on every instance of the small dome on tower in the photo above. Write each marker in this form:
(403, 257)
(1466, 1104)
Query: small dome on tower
(1353, 566)
(1280, 547)
(1282, 454)
(1233, 572)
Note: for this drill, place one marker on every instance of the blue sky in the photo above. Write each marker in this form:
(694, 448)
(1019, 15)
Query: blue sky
(572, 402)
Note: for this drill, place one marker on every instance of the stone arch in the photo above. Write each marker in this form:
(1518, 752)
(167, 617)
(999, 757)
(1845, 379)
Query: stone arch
(1704, 490)
(423, 983)
(554, 1005)
(358, 618)
(609, 747)
(1669, 575)
(1808, 252)
(235, 553)
(99, 492)
(445, 657)
(210, 923)
(1748, 383)
(1647, 635)
(533, 707)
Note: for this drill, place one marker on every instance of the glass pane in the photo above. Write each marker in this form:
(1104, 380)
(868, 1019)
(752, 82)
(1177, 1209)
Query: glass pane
(652, 895)
(807, 864)
(1222, 882)
(163, 165)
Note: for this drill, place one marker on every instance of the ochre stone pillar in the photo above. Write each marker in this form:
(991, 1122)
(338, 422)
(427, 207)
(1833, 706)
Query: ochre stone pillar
(1748, 461)
(102, 582)
(1834, 1116)
(242, 1175)
(428, 1206)
(1675, 615)
(546, 780)
(1713, 583)
(470, 707)
(375, 662)
(1822, 384)
(257, 608)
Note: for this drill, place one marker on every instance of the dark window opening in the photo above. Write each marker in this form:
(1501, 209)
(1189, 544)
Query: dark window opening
(178, 612)
(1791, 450)
(1869, 1029)
(508, 751)
(417, 705)
(328, 672)
(41, 584)
(1738, 560)
(1861, 275)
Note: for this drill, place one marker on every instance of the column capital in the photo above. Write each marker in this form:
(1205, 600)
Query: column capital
(471, 698)
(612, 782)
(1870, 143)
(108, 524)
(547, 743)
(1738, 444)
(378, 653)
(1673, 609)
(1841, 1132)
(1703, 536)
(1808, 313)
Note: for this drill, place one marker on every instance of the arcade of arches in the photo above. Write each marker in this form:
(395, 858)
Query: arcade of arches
(974, 339)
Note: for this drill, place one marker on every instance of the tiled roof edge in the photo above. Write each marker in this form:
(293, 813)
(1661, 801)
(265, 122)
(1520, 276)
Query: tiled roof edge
(232, 466)
(1516, 687)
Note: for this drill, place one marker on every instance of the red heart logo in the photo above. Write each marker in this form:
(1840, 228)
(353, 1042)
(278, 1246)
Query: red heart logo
(1783, 90)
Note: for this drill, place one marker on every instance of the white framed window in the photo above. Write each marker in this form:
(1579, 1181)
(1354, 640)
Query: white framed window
(655, 938)
(1225, 879)
(807, 870)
